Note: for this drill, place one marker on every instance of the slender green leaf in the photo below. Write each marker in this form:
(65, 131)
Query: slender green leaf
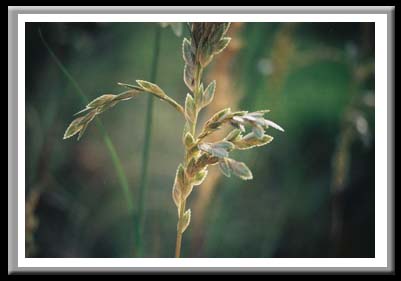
(122, 178)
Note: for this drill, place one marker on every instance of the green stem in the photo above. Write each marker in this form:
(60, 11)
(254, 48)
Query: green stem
(122, 178)
(145, 154)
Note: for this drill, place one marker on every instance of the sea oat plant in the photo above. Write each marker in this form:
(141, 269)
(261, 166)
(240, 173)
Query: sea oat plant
(248, 128)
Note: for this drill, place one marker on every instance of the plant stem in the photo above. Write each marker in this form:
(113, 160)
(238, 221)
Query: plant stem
(146, 149)
(179, 232)
(196, 92)
(121, 176)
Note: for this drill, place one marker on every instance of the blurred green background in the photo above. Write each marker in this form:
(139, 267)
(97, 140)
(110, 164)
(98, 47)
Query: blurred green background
(313, 189)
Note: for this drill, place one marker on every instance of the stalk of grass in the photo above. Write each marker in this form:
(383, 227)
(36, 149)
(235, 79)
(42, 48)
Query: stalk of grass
(146, 149)
(121, 176)
(206, 40)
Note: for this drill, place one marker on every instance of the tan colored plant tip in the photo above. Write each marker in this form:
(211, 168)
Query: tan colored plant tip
(206, 40)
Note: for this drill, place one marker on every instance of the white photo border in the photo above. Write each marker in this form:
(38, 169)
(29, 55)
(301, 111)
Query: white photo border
(382, 255)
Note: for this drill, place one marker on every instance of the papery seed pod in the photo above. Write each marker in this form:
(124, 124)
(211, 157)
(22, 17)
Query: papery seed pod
(151, 87)
(226, 27)
(199, 97)
(219, 149)
(86, 120)
(238, 119)
(214, 151)
(254, 120)
(238, 125)
(221, 45)
(106, 106)
(217, 117)
(203, 38)
(205, 55)
(259, 113)
(272, 124)
(75, 126)
(188, 139)
(188, 55)
(212, 160)
(180, 179)
(204, 160)
(186, 219)
(240, 169)
(199, 177)
(214, 126)
(144, 86)
(129, 86)
(176, 194)
(234, 135)
(250, 140)
(127, 95)
(239, 113)
(102, 100)
(189, 77)
(197, 31)
(191, 167)
(190, 110)
(226, 145)
(208, 94)
(258, 131)
(187, 128)
(224, 167)
(193, 151)
(218, 33)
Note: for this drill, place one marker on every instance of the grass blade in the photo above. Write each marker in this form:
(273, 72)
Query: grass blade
(121, 176)
(145, 155)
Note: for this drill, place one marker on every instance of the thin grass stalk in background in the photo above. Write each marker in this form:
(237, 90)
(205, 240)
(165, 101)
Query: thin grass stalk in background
(353, 124)
(122, 178)
(147, 142)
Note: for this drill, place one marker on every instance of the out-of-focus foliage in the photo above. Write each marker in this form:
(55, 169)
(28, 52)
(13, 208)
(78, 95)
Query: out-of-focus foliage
(312, 193)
